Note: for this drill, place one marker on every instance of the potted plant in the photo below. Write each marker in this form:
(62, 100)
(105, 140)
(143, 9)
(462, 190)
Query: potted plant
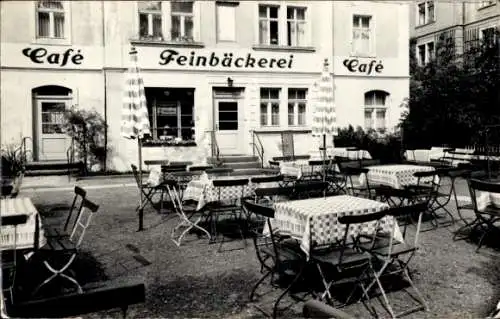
(12, 170)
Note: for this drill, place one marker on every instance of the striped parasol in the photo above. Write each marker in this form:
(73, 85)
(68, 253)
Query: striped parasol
(135, 119)
(324, 118)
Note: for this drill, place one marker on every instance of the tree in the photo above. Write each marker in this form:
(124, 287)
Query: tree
(452, 99)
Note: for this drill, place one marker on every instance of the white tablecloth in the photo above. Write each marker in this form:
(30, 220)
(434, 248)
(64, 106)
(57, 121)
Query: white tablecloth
(396, 175)
(25, 232)
(316, 219)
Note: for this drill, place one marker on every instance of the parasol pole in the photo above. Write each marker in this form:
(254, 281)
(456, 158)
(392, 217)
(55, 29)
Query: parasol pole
(141, 208)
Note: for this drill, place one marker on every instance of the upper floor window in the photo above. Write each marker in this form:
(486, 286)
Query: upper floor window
(297, 100)
(425, 12)
(376, 110)
(269, 106)
(296, 26)
(182, 18)
(488, 36)
(50, 19)
(268, 25)
(150, 20)
(425, 53)
(362, 35)
(272, 28)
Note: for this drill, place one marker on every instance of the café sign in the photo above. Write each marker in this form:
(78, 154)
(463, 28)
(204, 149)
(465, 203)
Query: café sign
(41, 55)
(356, 66)
(224, 59)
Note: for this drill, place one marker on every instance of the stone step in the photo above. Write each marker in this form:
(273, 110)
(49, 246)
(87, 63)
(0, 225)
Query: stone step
(48, 172)
(233, 159)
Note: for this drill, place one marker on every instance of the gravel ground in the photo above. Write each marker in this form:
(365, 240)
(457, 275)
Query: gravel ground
(195, 281)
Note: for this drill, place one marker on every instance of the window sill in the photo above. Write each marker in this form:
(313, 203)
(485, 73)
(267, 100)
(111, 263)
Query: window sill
(169, 43)
(160, 143)
(486, 7)
(425, 24)
(262, 47)
(52, 41)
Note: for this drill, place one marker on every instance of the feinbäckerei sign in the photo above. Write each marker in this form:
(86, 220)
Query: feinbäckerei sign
(224, 60)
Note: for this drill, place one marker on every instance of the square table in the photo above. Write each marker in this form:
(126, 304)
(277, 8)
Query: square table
(395, 175)
(26, 232)
(315, 220)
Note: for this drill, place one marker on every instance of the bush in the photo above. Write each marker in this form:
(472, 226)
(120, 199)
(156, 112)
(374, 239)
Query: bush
(385, 147)
(12, 161)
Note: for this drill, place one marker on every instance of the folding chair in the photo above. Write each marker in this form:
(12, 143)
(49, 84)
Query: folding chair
(148, 191)
(186, 215)
(66, 247)
(344, 256)
(357, 181)
(394, 256)
(9, 265)
(487, 214)
(54, 230)
(228, 206)
(277, 260)
(309, 189)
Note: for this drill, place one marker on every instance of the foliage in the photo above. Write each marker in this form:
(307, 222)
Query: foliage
(88, 129)
(385, 147)
(453, 98)
(12, 161)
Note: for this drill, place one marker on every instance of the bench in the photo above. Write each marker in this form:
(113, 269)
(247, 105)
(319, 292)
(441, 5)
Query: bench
(74, 304)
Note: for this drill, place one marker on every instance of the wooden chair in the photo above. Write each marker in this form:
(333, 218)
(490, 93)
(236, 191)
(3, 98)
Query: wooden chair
(148, 191)
(55, 230)
(66, 247)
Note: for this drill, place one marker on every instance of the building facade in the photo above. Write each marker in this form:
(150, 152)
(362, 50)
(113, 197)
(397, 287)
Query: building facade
(240, 68)
(462, 24)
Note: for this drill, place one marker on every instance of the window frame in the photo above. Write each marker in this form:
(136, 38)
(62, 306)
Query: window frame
(269, 102)
(182, 16)
(486, 4)
(374, 109)
(481, 33)
(66, 39)
(372, 28)
(296, 22)
(150, 14)
(282, 25)
(428, 58)
(296, 101)
(426, 12)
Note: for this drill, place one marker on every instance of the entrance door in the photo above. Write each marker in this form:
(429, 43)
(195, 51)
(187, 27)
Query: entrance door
(52, 141)
(227, 125)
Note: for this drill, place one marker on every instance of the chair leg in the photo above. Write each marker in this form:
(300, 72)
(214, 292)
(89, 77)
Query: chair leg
(275, 308)
(59, 272)
(261, 280)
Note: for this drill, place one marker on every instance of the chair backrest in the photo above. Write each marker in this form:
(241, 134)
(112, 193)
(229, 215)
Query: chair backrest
(480, 191)
(259, 210)
(230, 182)
(200, 168)
(83, 221)
(80, 194)
(219, 171)
(274, 191)
(370, 162)
(267, 179)
(173, 168)
(14, 220)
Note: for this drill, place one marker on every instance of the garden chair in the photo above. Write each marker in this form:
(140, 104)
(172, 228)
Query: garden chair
(394, 256)
(148, 190)
(55, 230)
(487, 213)
(66, 247)
(229, 194)
(200, 168)
(317, 167)
(277, 260)
(186, 215)
(309, 189)
(9, 265)
(349, 263)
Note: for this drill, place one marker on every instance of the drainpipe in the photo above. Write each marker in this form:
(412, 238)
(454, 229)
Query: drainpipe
(105, 87)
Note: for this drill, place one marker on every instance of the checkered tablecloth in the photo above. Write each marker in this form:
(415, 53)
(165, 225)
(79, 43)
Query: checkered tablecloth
(25, 233)
(397, 175)
(299, 168)
(203, 191)
(315, 220)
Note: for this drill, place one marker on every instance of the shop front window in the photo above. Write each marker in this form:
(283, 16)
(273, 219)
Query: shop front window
(269, 106)
(171, 113)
